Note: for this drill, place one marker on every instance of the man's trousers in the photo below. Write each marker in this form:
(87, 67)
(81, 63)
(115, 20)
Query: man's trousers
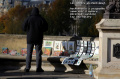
(38, 55)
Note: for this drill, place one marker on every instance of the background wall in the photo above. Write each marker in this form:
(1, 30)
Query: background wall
(17, 42)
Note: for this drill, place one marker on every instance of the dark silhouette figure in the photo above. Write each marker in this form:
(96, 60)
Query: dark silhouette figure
(34, 25)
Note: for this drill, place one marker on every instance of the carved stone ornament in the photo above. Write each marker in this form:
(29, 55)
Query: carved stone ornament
(113, 10)
(116, 50)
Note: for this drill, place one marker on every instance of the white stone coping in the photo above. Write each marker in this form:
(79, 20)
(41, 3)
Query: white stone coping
(109, 24)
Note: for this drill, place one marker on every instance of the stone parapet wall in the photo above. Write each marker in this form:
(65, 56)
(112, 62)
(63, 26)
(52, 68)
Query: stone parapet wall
(17, 42)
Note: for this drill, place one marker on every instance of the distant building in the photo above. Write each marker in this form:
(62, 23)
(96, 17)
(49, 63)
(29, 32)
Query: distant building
(5, 5)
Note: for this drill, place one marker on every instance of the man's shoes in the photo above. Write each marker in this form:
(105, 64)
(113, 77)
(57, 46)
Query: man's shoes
(26, 70)
(39, 70)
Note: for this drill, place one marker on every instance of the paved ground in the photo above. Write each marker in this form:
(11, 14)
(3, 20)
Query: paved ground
(17, 74)
(18, 63)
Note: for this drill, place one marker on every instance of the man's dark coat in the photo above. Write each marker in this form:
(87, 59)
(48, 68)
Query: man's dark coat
(35, 25)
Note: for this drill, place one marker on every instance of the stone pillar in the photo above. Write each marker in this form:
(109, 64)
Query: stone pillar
(109, 36)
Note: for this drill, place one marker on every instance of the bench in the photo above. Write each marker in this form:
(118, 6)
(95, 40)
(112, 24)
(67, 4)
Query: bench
(84, 50)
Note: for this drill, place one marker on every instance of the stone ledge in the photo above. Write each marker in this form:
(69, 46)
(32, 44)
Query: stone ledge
(45, 58)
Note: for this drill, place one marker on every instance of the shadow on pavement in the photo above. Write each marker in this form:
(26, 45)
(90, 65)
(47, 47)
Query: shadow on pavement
(79, 69)
(42, 75)
(55, 61)
(10, 64)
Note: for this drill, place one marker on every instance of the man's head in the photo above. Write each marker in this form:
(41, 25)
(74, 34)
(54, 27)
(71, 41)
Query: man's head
(35, 11)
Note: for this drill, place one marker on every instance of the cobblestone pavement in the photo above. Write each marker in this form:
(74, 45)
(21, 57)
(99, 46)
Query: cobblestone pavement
(17, 74)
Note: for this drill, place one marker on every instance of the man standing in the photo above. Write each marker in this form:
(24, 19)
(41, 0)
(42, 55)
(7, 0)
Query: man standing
(34, 25)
